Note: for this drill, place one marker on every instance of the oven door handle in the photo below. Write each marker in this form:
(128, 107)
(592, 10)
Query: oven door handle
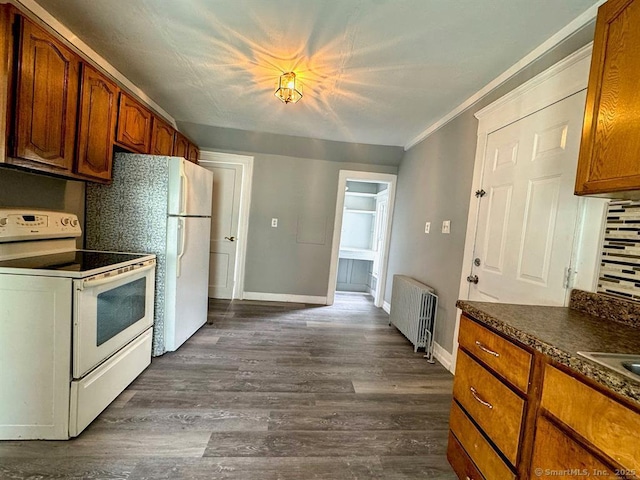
(103, 281)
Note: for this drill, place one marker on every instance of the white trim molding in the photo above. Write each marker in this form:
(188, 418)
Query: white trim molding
(41, 13)
(213, 158)
(386, 306)
(444, 357)
(284, 297)
(567, 77)
(568, 30)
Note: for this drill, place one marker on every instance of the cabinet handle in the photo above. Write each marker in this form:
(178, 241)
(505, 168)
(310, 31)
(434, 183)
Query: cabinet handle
(487, 350)
(474, 392)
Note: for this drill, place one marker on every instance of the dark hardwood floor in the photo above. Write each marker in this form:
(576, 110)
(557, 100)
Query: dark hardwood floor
(267, 391)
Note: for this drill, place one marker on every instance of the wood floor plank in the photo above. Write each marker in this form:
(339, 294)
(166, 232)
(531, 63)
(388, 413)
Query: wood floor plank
(243, 400)
(113, 444)
(271, 392)
(67, 468)
(170, 420)
(261, 468)
(432, 467)
(327, 419)
(324, 443)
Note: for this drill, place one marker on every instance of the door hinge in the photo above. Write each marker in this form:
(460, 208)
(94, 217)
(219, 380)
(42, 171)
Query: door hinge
(568, 277)
(480, 193)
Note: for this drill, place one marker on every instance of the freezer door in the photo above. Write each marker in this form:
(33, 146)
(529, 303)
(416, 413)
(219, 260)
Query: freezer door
(190, 188)
(187, 278)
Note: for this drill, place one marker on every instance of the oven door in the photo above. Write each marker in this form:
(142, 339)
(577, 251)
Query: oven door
(109, 312)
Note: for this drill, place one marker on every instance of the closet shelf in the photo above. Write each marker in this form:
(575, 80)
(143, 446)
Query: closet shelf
(357, 210)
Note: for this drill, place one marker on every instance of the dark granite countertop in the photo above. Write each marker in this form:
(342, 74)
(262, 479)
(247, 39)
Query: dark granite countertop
(561, 333)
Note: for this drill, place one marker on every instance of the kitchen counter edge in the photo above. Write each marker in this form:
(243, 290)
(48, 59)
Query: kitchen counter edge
(600, 374)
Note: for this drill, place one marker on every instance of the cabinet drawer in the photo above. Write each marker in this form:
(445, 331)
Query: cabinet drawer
(604, 422)
(506, 359)
(554, 452)
(476, 447)
(494, 407)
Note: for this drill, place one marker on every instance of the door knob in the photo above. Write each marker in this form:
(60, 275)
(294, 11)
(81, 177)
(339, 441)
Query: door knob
(231, 239)
(472, 279)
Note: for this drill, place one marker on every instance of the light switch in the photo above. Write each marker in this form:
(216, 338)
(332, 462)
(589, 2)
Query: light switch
(427, 227)
(274, 222)
(446, 226)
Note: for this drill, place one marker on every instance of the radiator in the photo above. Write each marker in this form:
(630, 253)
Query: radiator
(413, 312)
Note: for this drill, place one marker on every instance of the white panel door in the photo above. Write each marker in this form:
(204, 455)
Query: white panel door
(527, 218)
(224, 229)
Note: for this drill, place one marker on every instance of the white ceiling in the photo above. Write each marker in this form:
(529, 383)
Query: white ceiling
(374, 71)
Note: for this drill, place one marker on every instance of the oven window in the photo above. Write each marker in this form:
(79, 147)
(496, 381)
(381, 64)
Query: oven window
(120, 308)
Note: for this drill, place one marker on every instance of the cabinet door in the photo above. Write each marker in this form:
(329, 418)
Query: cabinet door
(611, 135)
(47, 99)
(97, 124)
(161, 138)
(134, 125)
(556, 454)
(192, 153)
(181, 146)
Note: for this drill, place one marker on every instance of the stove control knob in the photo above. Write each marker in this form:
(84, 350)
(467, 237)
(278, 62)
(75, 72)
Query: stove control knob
(74, 222)
(65, 221)
(3, 222)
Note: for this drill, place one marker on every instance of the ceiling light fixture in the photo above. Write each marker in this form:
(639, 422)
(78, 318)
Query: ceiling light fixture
(289, 89)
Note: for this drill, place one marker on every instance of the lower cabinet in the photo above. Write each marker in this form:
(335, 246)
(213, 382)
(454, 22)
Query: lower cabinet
(556, 424)
(491, 403)
(557, 454)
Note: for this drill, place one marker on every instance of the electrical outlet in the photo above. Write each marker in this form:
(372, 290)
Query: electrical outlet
(274, 222)
(427, 227)
(446, 226)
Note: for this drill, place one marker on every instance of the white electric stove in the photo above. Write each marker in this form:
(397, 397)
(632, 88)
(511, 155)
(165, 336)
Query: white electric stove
(75, 325)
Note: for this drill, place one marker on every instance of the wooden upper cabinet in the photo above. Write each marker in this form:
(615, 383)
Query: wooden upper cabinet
(96, 124)
(134, 125)
(180, 146)
(192, 153)
(47, 99)
(610, 150)
(161, 138)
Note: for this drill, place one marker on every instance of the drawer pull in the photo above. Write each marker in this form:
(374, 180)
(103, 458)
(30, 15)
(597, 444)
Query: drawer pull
(487, 350)
(474, 392)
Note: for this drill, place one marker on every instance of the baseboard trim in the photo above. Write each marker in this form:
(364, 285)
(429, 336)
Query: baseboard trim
(442, 356)
(386, 306)
(284, 297)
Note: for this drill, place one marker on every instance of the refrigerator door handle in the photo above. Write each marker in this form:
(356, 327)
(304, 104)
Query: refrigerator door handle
(183, 244)
(184, 189)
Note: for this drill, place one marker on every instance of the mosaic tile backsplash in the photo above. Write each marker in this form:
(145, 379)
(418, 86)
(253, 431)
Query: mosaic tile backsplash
(620, 264)
(130, 215)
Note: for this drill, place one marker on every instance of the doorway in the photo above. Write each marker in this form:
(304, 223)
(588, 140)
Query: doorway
(362, 229)
(229, 222)
(529, 239)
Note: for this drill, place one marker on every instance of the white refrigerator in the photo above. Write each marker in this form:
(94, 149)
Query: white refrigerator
(159, 205)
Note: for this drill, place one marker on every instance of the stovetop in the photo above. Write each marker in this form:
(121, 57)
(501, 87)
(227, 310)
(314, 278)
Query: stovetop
(76, 263)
